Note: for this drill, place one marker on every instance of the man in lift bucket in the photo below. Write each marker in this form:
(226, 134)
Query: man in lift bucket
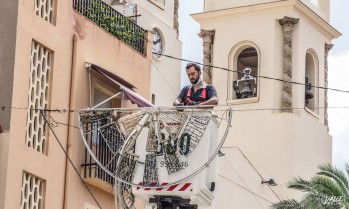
(199, 93)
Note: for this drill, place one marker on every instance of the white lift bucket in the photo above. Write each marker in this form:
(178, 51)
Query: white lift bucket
(176, 160)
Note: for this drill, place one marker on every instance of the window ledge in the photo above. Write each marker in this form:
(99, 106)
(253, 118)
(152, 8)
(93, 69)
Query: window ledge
(312, 113)
(243, 101)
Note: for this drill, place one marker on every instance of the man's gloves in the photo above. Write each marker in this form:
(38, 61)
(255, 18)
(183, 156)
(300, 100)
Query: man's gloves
(189, 104)
(192, 103)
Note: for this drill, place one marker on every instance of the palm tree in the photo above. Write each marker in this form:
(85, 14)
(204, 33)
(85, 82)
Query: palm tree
(327, 189)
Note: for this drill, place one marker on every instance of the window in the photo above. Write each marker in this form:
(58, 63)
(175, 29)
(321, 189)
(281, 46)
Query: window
(38, 97)
(44, 9)
(32, 192)
(153, 99)
(100, 95)
(311, 79)
(244, 62)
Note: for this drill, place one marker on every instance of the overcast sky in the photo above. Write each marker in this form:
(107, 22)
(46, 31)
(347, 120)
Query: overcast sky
(338, 68)
(339, 78)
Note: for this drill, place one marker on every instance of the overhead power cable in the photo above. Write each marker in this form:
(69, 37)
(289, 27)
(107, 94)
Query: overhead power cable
(257, 76)
(66, 154)
(163, 77)
(62, 111)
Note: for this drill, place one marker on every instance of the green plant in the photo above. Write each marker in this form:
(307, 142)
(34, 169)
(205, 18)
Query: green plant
(115, 23)
(327, 189)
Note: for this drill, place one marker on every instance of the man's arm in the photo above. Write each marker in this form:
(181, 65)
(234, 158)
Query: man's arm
(177, 101)
(180, 98)
(212, 101)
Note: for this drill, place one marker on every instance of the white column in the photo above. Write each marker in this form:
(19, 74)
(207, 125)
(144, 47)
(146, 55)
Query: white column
(324, 6)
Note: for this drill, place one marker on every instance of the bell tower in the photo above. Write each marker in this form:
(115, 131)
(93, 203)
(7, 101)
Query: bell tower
(276, 52)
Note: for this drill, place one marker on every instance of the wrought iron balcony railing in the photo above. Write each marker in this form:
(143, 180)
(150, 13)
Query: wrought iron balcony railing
(113, 22)
(102, 140)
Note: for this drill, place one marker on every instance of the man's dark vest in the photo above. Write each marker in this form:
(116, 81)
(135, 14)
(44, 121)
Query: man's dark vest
(188, 98)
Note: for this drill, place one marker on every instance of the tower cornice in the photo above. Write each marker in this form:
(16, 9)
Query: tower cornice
(302, 9)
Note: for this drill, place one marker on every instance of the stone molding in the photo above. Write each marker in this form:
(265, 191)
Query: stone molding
(175, 17)
(328, 47)
(288, 24)
(207, 39)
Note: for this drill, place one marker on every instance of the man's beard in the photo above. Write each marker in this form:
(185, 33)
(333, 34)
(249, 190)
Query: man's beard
(195, 81)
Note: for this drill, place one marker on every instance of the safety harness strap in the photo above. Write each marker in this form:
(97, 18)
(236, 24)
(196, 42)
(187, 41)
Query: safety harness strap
(188, 97)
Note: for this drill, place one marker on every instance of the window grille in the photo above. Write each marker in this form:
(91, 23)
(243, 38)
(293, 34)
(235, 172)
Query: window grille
(32, 193)
(44, 9)
(38, 97)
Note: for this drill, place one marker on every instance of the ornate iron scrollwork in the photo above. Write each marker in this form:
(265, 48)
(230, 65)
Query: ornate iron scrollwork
(126, 166)
(150, 177)
(153, 134)
(192, 133)
(171, 159)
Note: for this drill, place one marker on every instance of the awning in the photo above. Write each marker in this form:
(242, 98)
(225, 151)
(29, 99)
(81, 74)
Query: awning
(125, 86)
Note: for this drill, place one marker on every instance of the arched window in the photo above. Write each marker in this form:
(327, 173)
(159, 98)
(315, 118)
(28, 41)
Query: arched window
(244, 62)
(311, 79)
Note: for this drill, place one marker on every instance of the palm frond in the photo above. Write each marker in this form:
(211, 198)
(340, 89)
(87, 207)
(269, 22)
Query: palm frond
(311, 201)
(327, 189)
(287, 204)
(337, 175)
(299, 184)
(326, 186)
(347, 168)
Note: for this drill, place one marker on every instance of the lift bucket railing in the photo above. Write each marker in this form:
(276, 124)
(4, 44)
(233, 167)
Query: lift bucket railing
(157, 151)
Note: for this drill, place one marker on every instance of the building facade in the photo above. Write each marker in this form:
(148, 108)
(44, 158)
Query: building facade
(271, 49)
(52, 54)
(161, 18)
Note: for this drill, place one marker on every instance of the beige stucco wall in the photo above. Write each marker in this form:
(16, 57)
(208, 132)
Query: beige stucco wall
(21, 158)
(238, 183)
(164, 14)
(321, 7)
(166, 72)
(93, 45)
(211, 5)
(8, 27)
(280, 145)
(98, 47)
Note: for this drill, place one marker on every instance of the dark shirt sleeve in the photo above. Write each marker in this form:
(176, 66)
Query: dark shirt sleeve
(183, 93)
(211, 92)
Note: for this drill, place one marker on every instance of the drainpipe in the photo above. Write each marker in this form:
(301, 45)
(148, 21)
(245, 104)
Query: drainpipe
(70, 121)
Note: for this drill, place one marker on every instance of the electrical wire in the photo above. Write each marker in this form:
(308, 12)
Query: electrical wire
(61, 111)
(163, 77)
(257, 76)
(242, 180)
(66, 154)
(252, 192)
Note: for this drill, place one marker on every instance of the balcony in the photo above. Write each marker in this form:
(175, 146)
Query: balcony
(113, 22)
(98, 139)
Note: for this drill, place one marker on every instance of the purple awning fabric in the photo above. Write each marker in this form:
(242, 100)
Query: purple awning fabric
(125, 86)
(135, 98)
